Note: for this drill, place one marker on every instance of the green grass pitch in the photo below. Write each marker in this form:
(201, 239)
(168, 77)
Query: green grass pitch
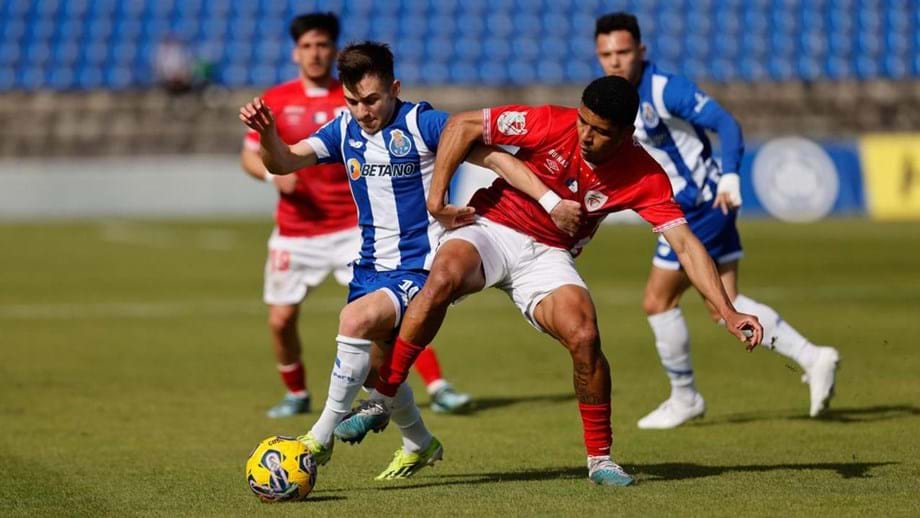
(136, 371)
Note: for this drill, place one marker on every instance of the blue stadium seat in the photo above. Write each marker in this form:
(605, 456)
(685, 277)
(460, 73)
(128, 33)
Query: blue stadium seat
(108, 42)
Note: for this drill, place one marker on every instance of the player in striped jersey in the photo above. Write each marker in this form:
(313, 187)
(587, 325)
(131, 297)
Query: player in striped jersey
(673, 117)
(315, 221)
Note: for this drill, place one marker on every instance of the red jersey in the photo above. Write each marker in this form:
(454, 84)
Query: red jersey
(321, 202)
(548, 142)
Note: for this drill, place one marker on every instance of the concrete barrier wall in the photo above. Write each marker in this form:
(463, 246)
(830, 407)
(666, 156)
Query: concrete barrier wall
(150, 186)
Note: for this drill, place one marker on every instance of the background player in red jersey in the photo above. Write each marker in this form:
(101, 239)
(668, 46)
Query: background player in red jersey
(316, 222)
(586, 155)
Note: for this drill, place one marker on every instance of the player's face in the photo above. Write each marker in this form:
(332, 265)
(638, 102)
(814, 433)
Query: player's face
(315, 53)
(372, 102)
(620, 55)
(597, 137)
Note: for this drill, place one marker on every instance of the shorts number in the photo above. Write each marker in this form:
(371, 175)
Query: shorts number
(279, 260)
(409, 289)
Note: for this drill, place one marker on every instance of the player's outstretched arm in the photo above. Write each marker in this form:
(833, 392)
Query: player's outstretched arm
(705, 277)
(460, 132)
(277, 156)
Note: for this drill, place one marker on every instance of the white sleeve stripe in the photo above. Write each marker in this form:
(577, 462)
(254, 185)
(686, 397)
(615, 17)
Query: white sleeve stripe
(487, 126)
(318, 147)
(670, 224)
(412, 125)
(658, 85)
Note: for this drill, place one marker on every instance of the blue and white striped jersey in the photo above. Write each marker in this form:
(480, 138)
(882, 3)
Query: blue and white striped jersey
(673, 117)
(390, 173)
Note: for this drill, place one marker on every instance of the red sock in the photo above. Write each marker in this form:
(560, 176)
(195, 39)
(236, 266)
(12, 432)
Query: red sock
(427, 366)
(394, 373)
(595, 421)
(294, 378)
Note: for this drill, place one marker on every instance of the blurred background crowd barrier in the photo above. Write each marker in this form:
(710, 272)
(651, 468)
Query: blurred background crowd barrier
(86, 83)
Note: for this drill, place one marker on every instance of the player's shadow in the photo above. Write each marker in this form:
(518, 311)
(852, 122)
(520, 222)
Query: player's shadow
(482, 404)
(644, 472)
(840, 415)
(681, 471)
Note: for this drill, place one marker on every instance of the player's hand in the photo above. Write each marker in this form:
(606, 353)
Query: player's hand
(568, 216)
(746, 328)
(452, 216)
(285, 183)
(258, 116)
(728, 193)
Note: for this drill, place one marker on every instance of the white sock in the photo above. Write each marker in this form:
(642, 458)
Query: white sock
(777, 334)
(352, 364)
(672, 339)
(436, 385)
(406, 415)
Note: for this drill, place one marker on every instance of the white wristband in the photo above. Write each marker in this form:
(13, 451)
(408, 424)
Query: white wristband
(269, 178)
(549, 201)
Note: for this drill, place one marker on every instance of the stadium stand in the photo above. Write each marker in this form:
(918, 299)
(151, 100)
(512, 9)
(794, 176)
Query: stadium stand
(783, 62)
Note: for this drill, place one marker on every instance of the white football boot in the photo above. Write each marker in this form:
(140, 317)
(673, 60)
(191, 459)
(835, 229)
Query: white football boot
(673, 413)
(821, 378)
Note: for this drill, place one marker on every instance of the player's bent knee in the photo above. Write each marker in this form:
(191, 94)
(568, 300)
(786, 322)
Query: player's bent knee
(358, 322)
(442, 286)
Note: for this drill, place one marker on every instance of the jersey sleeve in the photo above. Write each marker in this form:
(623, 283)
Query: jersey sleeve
(251, 140)
(655, 203)
(327, 141)
(516, 125)
(685, 100)
(430, 124)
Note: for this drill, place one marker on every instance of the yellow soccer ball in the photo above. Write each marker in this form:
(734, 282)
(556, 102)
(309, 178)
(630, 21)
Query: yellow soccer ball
(281, 469)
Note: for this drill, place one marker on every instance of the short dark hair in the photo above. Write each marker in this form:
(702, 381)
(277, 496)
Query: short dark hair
(305, 23)
(365, 58)
(620, 21)
(612, 98)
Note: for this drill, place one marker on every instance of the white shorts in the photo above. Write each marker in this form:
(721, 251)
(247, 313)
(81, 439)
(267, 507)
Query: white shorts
(296, 264)
(515, 263)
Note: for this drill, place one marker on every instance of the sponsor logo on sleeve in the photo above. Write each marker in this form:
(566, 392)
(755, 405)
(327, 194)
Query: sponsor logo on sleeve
(512, 123)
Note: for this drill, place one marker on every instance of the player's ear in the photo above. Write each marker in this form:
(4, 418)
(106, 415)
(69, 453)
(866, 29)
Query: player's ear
(294, 55)
(395, 88)
(642, 51)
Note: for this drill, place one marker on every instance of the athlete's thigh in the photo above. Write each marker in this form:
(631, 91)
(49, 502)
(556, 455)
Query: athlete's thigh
(549, 273)
(458, 262)
(566, 311)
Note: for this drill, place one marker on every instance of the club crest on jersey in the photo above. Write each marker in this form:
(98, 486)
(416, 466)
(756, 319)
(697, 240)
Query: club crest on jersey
(649, 115)
(594, 200)
(400, 145)
(513, 123)
(354, 168)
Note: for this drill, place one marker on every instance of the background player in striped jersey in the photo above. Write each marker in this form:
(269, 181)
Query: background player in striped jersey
(673, 117)
(387, 146)
(587, 156)
(316, 223)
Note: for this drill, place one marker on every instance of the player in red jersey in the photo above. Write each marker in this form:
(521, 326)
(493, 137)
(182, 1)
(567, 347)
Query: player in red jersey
(507, 240)
(316, 221)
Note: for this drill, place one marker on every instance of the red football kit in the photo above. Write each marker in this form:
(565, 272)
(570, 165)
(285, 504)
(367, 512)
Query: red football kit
(548, 140)
(321, 202)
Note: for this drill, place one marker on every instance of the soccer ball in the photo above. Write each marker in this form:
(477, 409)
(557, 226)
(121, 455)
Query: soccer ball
(281, 469)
